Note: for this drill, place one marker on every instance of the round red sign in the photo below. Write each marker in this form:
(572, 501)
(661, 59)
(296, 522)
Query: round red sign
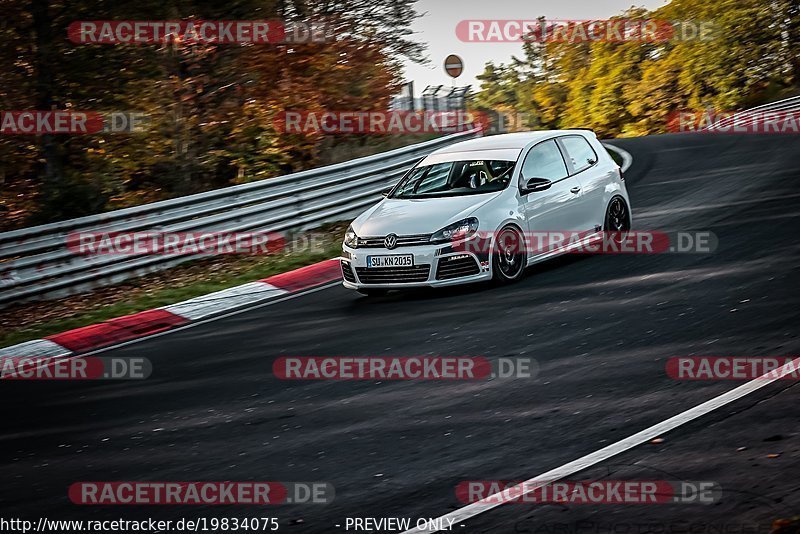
(453, 65)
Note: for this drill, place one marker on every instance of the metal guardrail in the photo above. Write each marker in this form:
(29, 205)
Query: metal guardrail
(750, 116)
(36, 263)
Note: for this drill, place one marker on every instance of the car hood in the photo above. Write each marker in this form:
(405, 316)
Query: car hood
(418, 215)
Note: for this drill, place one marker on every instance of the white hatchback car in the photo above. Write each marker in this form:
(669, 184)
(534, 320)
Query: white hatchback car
(465, 212)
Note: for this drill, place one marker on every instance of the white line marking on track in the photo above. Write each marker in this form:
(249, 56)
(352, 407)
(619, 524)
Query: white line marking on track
(530, 485)
(627, 159)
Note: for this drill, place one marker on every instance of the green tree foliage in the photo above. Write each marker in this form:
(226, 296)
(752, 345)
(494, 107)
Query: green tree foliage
(633, 88)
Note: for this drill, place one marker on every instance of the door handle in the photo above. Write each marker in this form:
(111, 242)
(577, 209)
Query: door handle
(575, 190)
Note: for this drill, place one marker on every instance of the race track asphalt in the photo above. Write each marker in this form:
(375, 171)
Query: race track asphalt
(601, 328)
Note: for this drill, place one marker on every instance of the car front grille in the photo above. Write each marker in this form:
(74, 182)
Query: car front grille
(393, 275)
(402, 241)
(456, 266)
(347, 272)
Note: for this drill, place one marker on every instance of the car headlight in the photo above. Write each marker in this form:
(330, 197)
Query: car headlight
(457, 231)
(350, 238)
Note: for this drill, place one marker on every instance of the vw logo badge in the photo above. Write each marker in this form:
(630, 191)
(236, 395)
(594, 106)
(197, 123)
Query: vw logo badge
(390, 241)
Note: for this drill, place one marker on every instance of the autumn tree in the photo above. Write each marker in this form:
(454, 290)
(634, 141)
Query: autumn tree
(748, 54)
(210, 106)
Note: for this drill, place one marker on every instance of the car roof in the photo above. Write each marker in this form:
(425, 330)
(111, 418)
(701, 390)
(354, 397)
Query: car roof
(508, 143)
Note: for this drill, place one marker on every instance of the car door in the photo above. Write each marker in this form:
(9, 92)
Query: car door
(592, 176)
(553, 208)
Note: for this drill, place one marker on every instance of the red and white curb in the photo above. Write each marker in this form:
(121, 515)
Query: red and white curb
(149, 322)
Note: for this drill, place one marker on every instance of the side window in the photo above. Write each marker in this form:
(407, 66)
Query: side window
(580, 151)
(544, 161)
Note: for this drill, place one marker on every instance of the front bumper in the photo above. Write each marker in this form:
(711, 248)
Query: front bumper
(434, 266)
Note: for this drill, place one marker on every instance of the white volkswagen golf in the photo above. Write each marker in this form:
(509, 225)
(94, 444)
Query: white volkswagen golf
(465, 213)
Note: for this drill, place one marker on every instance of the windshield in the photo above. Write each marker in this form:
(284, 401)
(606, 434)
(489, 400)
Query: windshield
(455, 178)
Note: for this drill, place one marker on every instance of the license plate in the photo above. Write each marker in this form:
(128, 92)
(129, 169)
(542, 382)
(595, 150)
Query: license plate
(399, 260)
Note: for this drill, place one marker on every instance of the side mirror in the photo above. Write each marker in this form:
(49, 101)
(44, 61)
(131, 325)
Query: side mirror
(385, 192)
(533, 185)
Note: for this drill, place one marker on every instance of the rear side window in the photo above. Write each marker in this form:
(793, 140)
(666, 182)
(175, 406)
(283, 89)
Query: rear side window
(544, 161)
(580, 152)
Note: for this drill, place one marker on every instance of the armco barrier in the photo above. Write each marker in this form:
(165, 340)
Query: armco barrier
(36, 263)
(748, 117)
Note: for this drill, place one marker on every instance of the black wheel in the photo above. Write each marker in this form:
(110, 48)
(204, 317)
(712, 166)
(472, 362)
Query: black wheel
(618, 220)
(373, 292)
(508, 258)
(617, 217)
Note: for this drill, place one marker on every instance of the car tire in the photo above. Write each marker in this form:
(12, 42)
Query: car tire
(617, 219)
(373, 292)
(508, 256)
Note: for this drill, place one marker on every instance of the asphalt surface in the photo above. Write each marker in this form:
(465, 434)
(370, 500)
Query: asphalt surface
(601, 328)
